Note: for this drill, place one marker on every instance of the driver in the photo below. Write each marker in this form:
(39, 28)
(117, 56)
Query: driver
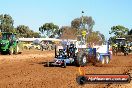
(72, 50)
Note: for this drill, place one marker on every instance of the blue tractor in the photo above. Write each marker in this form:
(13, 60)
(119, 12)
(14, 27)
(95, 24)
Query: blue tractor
(69, 56)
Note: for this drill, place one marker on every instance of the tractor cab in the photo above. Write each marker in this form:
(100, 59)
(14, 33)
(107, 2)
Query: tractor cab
(120, 41)
(8, 36)
(120, 46)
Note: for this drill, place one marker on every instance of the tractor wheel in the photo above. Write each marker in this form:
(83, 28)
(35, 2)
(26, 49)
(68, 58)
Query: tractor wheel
(98, 56)
(64, 64)
(107, 59)
(2, 53)
(17, 50)
(11, 51)
(125, 51)
(81, 59)
(25, 47)
(125, 54)
(103, 60)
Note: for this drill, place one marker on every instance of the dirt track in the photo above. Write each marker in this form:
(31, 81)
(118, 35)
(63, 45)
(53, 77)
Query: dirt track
(27, 71)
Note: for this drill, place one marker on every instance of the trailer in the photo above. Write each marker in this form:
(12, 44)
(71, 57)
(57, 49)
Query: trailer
(103, 53)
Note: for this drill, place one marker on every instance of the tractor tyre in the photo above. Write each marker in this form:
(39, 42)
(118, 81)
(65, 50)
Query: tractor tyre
(25, 47)
(64, 64)
(98, 56)
(11, 51)
(125, 54)
(125, 51)
(81, 59)
(48, 64)
(107, 59)
(103, 60)
(17, 49)
(2, 53)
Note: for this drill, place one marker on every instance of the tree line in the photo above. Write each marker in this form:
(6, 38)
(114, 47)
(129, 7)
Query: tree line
(7, 25)
(71, 32)
(52, 30)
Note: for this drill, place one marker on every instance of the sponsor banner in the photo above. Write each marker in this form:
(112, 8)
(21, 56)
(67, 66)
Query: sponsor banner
(103, 78)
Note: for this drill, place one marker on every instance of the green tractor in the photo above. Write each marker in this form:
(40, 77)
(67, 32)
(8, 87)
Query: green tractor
(120, 46)
(8, 43)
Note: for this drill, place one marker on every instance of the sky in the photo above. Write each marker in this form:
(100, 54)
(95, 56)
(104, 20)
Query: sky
(34, 13)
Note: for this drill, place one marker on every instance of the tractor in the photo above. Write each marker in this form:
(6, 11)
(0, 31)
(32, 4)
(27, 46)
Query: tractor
(68, 55)
(9, 44)
(120, 46)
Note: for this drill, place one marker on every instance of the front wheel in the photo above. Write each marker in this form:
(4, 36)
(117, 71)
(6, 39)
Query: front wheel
(17, 49)
(11, 51)
(125, 51)
(64, 64)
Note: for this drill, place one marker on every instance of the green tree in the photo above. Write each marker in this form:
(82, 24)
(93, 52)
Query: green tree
(68, 32)
(88, 23)
(50, 30)
(119, 31)
(36, 35)
(94, 37)
(101, 36)
(25, 31)
(6, 23)
(22, 30)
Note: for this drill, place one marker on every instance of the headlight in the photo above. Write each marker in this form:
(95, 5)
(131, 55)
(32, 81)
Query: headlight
(3, 44)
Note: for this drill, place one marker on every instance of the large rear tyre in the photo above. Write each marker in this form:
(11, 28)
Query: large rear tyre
(81, 59)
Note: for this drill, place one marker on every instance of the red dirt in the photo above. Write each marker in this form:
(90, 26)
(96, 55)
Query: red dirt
(27, 71)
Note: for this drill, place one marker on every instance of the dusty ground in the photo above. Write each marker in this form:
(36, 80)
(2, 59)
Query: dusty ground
(27, 71)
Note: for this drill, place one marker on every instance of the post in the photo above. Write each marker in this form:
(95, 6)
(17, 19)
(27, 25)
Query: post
(55, 52)
(83, 27)
(107, 43)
